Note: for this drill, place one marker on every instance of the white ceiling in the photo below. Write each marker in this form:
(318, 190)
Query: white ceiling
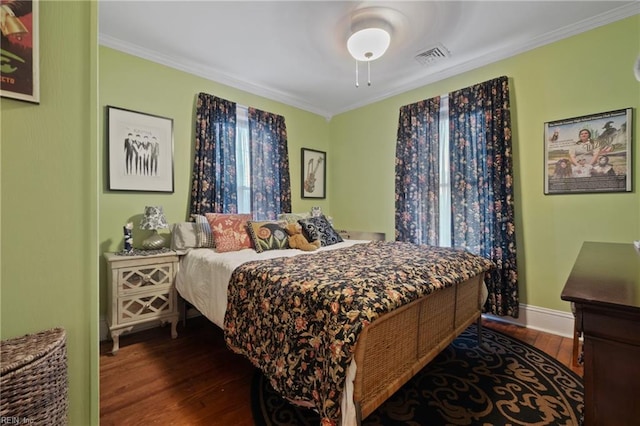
(295, 51)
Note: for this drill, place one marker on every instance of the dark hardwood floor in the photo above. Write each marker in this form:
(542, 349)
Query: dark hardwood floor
(196, 380)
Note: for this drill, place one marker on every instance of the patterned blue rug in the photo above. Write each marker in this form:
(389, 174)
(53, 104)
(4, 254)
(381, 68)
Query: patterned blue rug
(505, 382)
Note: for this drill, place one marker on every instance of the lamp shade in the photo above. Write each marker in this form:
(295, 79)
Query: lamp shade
(368, 44)
(153, 218)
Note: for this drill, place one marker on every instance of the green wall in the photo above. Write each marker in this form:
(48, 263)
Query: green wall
(565, 79)
(48, 207)
(53, 172)
(137, 84)
(584, 74)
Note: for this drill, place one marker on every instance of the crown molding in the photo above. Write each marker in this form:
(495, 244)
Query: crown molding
(209, 73)
(609, 17)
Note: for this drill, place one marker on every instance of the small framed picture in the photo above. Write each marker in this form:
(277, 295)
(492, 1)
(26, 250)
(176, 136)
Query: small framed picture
(589, 154)
(140, 151)
(314, 168)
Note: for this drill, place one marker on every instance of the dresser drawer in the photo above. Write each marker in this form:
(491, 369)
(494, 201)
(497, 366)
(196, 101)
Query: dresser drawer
(611, 324)
(134, 280)
(146, 306)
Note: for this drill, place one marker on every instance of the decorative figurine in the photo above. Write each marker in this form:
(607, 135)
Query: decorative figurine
(128, 238)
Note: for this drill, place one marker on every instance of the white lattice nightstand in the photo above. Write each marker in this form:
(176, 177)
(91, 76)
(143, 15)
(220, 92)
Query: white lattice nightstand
(141, 289)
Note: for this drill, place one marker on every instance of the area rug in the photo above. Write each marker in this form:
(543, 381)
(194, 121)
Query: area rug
(503, 382)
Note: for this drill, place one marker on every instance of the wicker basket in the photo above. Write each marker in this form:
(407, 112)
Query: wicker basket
(33, 379)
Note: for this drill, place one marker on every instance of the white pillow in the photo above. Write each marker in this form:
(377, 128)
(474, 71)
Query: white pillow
(183, 236)
(293, 217)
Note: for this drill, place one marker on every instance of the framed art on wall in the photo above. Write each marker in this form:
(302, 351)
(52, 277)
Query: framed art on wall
(589, 154)
(140, 151)
(314, 168)
(20, 57)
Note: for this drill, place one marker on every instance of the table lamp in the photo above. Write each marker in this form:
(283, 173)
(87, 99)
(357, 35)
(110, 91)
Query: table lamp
(153, 219)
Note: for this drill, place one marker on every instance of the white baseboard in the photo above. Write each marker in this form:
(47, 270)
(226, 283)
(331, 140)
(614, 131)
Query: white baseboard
(542, 319)
(534, 317)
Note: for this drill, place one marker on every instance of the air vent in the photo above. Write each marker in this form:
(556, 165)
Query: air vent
(433, 54)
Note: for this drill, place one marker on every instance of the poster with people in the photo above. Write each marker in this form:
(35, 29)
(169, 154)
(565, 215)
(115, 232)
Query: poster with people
(589, 154)
(19, 56)
(140, 151)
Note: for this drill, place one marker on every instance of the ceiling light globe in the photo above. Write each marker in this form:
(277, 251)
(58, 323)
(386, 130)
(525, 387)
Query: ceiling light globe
(368, 44)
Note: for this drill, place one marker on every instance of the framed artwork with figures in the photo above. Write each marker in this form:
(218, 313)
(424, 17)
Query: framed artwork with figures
(314, 177)
(589, 154)
(140, 150)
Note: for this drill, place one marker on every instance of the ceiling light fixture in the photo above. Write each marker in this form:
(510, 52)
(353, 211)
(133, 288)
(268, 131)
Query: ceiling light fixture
(369, 40)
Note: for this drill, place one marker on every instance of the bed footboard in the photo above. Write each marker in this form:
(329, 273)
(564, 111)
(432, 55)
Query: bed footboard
(395, 347)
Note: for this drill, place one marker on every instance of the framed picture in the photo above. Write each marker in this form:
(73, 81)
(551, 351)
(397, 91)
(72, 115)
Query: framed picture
(589, 154)
(140, 151)
(20, 70)
(314, 168)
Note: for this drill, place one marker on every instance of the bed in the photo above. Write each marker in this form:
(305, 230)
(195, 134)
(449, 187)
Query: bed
(340, 329)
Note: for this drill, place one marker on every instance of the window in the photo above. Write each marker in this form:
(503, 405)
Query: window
(243, 160)
(477, 212)
(445, 175)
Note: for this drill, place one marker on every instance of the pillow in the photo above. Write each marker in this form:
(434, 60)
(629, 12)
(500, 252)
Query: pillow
(292, 217)
(229, 231)
(319, 228)
(183, 236)
(204, 237)
(268, 235)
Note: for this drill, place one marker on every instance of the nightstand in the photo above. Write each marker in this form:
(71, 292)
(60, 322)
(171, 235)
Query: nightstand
(360, 235)
(141, 289)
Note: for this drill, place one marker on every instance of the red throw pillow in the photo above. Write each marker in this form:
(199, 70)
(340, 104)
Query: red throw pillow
(229, 231)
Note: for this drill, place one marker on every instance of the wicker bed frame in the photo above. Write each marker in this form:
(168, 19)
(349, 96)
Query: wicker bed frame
(392, 349)
(397, 345)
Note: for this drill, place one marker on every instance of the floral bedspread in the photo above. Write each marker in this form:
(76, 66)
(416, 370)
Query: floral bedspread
(298, 318)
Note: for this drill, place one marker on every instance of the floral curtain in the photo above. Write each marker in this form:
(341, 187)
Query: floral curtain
(481, 168)
(213, 186)
(482, 185)
(417, 176)
(270, 181)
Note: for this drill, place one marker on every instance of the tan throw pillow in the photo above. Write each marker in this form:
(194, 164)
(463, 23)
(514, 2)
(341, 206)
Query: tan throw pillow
(268, 235)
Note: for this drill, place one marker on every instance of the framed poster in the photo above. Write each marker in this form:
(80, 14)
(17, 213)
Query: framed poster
(589, 154)
(140, 151)
(314, 168)
(19, 50)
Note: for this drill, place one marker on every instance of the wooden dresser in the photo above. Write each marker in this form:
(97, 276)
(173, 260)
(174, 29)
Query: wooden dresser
(605, 287)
